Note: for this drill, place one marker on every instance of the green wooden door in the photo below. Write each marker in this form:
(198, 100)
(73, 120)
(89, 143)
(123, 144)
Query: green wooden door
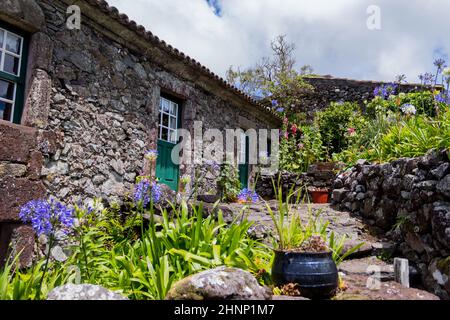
(244, 168)
(167, 171)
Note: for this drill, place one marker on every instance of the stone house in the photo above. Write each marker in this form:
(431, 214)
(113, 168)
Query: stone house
(80, 106)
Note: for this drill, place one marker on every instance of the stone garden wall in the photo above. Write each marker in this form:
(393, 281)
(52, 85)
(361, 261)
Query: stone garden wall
(409, 199)
(319, 175)
(328, 89)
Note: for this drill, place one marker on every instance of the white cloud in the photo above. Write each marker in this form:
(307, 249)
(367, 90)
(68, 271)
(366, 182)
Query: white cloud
(331, 35)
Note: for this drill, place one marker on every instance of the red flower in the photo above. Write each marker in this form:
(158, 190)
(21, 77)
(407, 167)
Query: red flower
(351, 131)
(294, 128)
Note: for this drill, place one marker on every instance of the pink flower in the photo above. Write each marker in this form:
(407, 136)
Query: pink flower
(301, 146)
(286, 121)
(286, 135)
(351, 131)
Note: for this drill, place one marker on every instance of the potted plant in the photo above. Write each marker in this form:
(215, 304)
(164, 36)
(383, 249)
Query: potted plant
(305, 254)
(319, 195)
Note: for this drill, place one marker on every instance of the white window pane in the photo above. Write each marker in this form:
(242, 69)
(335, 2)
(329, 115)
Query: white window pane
(2, 35)
(173, 109)
(173, 123)
(166, 105)
(11, 64)
(7, 90)
(173, 136)
(13, 43)
(5, 111)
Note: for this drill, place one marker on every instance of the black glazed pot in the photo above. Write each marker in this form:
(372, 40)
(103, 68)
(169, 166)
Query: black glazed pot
(315, 273)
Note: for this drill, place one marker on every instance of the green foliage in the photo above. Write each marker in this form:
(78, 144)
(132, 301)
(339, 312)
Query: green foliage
(17, 284)
(424, 103)
(415, 136)
(299, 151)
(336, 123)
(293, 232)
(389, 137)
(228, 182)
(171, 250)
(144, 268)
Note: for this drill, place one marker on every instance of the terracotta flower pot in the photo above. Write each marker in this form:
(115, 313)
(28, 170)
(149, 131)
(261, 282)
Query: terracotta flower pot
(320, 196)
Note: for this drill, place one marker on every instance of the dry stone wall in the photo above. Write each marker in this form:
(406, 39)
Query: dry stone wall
(328, 89)
(409, 199)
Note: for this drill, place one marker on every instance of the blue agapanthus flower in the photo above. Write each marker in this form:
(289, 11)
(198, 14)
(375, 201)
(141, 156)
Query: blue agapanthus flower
(280, 110)
(145, 192)
(439, 63)
(248, 196)
(47, 216)
(440, 98)
(274, 103)
(426, 78)
(385, 91)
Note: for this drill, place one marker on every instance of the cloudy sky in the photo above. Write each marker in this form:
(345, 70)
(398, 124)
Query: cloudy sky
(330, 35)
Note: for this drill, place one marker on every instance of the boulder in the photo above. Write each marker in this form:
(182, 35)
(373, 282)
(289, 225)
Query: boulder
(210, 209)
(443, 186)
(168, 197)
(440, 222)
(222, 283)
(339, 195)
(83, 292)
(208, 198)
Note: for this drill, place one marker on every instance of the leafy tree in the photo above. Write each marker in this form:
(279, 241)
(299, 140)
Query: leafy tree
(274, 78)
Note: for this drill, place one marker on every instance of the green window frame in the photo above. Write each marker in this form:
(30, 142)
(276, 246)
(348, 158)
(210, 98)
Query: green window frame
(13, 68)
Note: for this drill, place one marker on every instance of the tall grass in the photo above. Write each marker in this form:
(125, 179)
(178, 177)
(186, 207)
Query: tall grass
(293, 232)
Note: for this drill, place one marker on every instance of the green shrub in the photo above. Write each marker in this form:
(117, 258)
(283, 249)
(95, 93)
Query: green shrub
(390, 137)
(228, 183)
(414, 137)
(298, 152)
(336, 125)
(424, 102)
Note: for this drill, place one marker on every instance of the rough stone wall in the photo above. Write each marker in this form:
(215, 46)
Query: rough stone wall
(22, 152)
(329, 89)
(410, 200)
(104, 106)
